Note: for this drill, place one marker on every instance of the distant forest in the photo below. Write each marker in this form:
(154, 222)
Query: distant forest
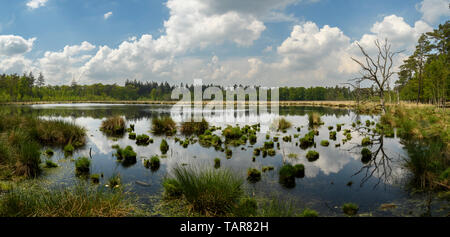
(15, 88)
(424, 77)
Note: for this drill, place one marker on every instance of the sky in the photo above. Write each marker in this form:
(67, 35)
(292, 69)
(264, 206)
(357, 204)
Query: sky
(249, 42)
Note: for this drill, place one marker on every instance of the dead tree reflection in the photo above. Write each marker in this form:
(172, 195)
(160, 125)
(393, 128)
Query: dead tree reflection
(379, 163)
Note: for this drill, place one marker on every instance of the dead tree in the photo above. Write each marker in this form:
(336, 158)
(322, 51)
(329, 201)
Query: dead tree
(377, 70)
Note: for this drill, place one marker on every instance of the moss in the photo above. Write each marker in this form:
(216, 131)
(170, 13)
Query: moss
(299, 171)
(82, 165)
(330, 128)
(312, 155)
(324, 143)
(256, 151)
(164, 147)
(350, 209)
(253, 175)
(338, 127)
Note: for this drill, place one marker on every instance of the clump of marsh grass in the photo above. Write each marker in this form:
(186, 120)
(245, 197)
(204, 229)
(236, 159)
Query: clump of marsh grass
(312, 155)
(78, 201)
(59, 133)
(314, 119)
(113, 126)
(253, 175)
(154, 163)
(164, 125)
(50, 164)
(210, 192)
(282, 124)
(82, 165)
(197, 128)
(164, 147)
(350, 209)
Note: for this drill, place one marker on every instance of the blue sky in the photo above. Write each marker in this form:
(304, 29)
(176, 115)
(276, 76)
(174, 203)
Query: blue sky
(219, 39)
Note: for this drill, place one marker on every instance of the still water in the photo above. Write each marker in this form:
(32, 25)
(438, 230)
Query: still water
(337, 177)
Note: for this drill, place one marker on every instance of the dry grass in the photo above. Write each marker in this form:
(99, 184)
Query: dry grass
(113, 126)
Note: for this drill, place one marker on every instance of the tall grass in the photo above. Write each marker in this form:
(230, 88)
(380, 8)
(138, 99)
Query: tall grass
(427, 138)
(78, 201)
(210, 192)
(113, 126)
(197, 128)
(314, 119)
(164, 125)
(21, 139)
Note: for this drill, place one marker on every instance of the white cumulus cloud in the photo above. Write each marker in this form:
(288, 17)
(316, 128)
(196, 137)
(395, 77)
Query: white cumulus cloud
(107, 15)
(433, 10)
(33, 4)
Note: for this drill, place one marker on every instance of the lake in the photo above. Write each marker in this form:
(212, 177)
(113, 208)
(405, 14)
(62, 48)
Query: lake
(339, 176)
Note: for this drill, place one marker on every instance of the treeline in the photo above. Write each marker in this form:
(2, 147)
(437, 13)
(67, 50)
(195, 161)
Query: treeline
(424, 76)
(15, 88)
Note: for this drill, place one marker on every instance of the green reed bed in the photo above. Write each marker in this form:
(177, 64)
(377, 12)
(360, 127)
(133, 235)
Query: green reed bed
(80, 200)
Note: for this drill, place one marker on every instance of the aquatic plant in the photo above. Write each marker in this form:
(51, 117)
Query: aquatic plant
(68, 149)
(228, 153)
(49, 152)
(252, 138)
(267, 168)
(164, 147)
(299, 171)
(197, 128)
(114, 181)
(164, 125)
(366, 155)
(95, 178)
(127, 154)
(82, 165)
(350, 209)
(132, 135)
(253, 175)
(208, 191)
(50, 164)
(256, 151)
(324, 143)
(307, 140)
(232, 133)
(217, 163)
(142, 139)
(366, 141)
(287, 176)
(309, 213)
(314, 119)
(154, 163)
(113, 126)
(312, 155)
(333, 135)
(282, 124)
